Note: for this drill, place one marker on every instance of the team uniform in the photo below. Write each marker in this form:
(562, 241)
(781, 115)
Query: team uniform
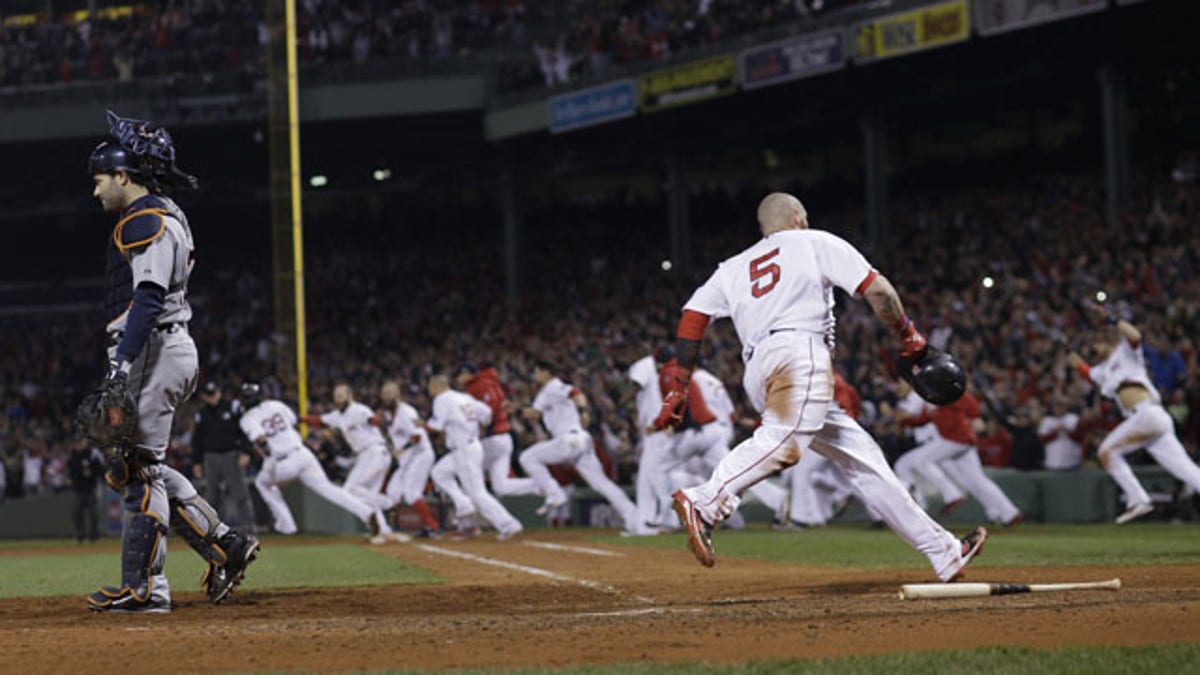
(272, 424)
(569, 444)
(497, 439)
(149, 261)
(956, 442)
(414, 456)
(359, 427)
(458, 416)
(780, 295)
(933, 473)
(1147, 425)
(653, 487)
(818, 489)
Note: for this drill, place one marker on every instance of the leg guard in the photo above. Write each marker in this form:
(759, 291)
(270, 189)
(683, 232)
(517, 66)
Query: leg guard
(197, 523)
(143, 553)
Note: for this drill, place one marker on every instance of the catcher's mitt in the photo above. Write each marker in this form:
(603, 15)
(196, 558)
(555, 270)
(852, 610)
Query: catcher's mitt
(108, 415)
(935, 375)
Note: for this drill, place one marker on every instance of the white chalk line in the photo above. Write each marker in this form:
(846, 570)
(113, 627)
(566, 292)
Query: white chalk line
(642, 612)
(573, 549)
(534, 571)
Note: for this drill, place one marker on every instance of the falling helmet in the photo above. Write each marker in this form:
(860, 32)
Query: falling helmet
(935, 375)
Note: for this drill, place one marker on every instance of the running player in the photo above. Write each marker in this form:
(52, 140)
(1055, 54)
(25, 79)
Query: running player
(458, 416)
(1121, 375)
(557, 405)
(271, 427)
(497, 440)
(413, 453)
(779, 292)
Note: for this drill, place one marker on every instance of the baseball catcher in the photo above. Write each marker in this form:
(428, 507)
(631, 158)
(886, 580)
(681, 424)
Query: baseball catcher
(152, 368)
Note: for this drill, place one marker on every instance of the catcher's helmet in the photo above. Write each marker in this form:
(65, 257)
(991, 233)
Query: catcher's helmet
(250, 394)
(936, 376)
(109, 157)
(142, 149)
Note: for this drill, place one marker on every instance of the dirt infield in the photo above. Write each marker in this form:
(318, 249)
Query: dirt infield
(556, 599)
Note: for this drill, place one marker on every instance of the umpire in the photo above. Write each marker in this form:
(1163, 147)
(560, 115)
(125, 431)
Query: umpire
(217, 450)
(85, 466)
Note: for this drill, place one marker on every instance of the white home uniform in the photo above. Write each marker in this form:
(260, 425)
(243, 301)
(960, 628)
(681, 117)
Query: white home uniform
(1062, 451)
(653, 487)
(414, 458)
(779, 293)
(933, 472)
(458, 416)
(716, 442)
(1147, 426)
(273, 423)
(570, 444)
(371, 457)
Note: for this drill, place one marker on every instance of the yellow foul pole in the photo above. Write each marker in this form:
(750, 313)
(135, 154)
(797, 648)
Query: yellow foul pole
(297, 215)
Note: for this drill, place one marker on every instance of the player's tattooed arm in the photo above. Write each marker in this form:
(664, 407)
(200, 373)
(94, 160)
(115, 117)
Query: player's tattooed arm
(885, 301)
(1129, 331)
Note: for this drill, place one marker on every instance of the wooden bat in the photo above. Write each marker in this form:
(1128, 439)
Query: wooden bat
(975, 590)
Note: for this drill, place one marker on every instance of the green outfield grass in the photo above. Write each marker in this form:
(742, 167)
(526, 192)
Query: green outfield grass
(325, 566)
(1027, 545)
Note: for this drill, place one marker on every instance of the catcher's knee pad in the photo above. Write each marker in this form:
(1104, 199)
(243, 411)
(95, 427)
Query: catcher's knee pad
(122, 467)
(143, 552)
(197, 522)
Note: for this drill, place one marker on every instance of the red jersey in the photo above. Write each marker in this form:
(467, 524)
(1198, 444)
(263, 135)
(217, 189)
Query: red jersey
(486, 387)
(846, 396)
(698, 413)
(953, 421)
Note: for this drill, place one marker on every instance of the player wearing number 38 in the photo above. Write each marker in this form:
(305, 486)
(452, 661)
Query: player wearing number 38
(779, 293)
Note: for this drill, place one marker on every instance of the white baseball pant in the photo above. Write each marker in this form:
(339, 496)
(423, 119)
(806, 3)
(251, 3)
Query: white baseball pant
(968, 470)
(1148, 426)
(301, 464)
(653, 487)
(445, 479)
(789, 379)
(497, 460)
(407, 484)
(575, 449)
(710, 443)
(468, 468)
(935, 474)
(367, 474)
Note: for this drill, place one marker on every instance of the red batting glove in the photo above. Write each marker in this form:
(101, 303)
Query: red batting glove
(912, 343)
(673, 407)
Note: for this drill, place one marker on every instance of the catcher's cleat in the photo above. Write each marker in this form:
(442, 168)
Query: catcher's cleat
(240, 550)
(124, 601)
(972, 544)
(699, 532)
(1134, 512)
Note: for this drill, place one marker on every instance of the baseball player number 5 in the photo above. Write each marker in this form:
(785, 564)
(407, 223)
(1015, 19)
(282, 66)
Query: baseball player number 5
(759, 269)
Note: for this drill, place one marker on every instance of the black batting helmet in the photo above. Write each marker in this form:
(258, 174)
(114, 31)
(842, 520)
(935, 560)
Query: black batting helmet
(936, 376)
(250, 394)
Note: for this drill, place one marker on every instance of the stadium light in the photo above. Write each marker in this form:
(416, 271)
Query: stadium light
(1101, 296)
(666, 265)
(318, 181)
(382, 174)
(988, 282)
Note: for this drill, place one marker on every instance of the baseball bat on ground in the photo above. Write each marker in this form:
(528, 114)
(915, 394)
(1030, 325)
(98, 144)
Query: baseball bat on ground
(975, 590)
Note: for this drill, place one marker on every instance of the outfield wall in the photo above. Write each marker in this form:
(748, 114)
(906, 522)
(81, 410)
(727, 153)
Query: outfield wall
(1084, 496)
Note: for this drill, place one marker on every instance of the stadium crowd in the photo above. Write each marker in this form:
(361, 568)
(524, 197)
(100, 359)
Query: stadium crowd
(995, 275)
(208, 39)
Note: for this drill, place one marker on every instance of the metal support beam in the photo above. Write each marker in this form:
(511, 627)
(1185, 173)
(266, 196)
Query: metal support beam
(1114, 105)
(512, 234)
(679, 214)
(875, 165)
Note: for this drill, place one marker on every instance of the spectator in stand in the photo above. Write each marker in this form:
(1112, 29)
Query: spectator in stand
(995, 444)
(33, 461)
(85, 467)
(1057, 433)
(1167, 368)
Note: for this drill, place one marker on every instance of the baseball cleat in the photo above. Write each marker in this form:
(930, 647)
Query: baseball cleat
(549, 507)
(1134, 512)
(398, 537)
(972, 544)
(124, 601)
(950, 506)
(509, 534)
(1015, 520)
(240, 551)
(699, 533)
